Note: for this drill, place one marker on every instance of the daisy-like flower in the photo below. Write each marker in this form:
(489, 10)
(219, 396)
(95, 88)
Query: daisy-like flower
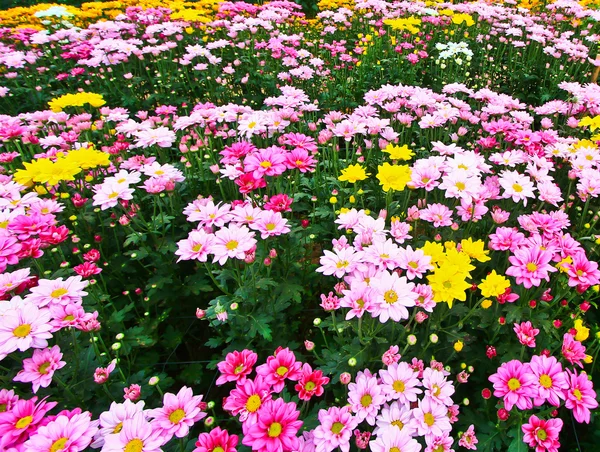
(342, 262)
(11, 280)
(310, 383)
(516, 186)
(582, 272)
(111, 421)
(399, 382)
(216, 441)
(335, 429)
(266, 162)
(550, 380)
(396, 416)
(246, 399)
(383, 254)
(365, 397)
(270, 224)
(136, 435)
(23, 418)
(439, 443)
(232, 242)
(394, 441)
(415, 262)
(516, 383)
(437, 386)
(40, 368)
(108, 195)
(431, 418)
(438, 214)
(468, 440)
(359, 298)
(57, 291)
(65, 433)
(236, 366)
(211, 214)
(580, 396)
(23, 328)
(283, 366)
(526, 333)
(276, 428)
(542, 434)
(394, 295)
(178, 413)
(573, 350)
(530, 265)
(197, 246)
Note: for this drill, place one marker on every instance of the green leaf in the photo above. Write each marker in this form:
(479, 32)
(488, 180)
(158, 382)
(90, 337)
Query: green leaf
(517, 444)
(119, 316)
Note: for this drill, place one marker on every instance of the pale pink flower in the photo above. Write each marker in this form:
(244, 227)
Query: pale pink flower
(109, 194)
(415, 262)
(197, 246)
(468, 440)
(394, 440)
(137, 435)
(438, 387)
(394, 295)
(57, 291)
(65, 433)
(391, 355)
(23, 328)
(335, 429)
(340, 263)
(396, 416)
(40, 368)
(102, 374)
(516, 186)
(400, 382)
(365, 397)
(270, 224)
(178, 414)
(438, 214)
(232, 242)
(431, 418)
(359, 298)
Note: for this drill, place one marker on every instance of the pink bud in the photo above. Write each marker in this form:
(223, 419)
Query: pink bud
(309, 345)
(200, 313)
(345, 378)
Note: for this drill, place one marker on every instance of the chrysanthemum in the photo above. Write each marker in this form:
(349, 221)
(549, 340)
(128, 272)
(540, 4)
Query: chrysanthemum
(353, 174)
(283, 366)
(550, 380)
(437, 386)
(136, 435)
(493, 285)
(365, 397)
(400, 382)
(216, 440)
(359, 298)
(232, 242)
(68, 434)
(341, 262)
(580, 396)
(40, 368)
(246, 399)
(270, 224)
(530, 265)
(394, 295)
(23, 418)
(57, 291)
(178, 413)
(24, 328)
(542, 434)
(393, 441)
(111, 421)
(526, 333)
(310, 383)
(276, 428)
(415, 262)
(573, 350)
(516, 186)
(236, 366)
(515, 382)
(197, 246)
(335, 429)
(431, 418)
(396, 416)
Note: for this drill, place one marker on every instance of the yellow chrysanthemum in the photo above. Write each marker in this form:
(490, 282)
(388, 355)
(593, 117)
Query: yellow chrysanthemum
(76, 100)
(393, 177)
(398, 152)
(448, 284)
(434, 250)
(494, 285)
(476, 250)
(353, 174)
(582, 332)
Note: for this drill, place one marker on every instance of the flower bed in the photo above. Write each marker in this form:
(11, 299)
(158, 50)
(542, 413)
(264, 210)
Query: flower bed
(230, 227)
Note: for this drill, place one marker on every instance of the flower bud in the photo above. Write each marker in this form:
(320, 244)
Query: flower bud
(317, 321)
(411, 339)
(153, 381)
(486, 393)
(352, 362)
(433, 338)
(503, 415)
(310, 346)
(119, 336)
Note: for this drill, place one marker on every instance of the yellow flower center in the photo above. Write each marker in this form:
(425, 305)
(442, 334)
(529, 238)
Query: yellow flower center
(159, 173)
(43, 369)
(2, 407)
(24, 422)
(196, 248)
(253, 403)
(577, 393)
(135, 445)
(281, 371)
(274, 430)
(398, 386)
(58, 292)
(337, 427)
(436, 390)
(310, 386)
(251, 125)
(22, 330)
(546, 381)
(231, 245)
(69, 318)
(398, 423)
(390, 296)
(541, 434)
(270, 226)
(447, 284)
(514, 384)
(59, 444)
(531, 267)
(218, 449)
(176, 416)
(265, 164)
(366, 400)
(413, 264)
(113, 195)
(238, 369)
(517, 188)
(395, 449)
(460, 185)
(342, 264)
(118, 428)
(429, 419)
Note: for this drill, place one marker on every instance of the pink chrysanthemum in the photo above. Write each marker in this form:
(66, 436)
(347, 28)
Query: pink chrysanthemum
(573, 350)
(111, 421)
(178, 413)
(232, 242)
(468, 440)
(431, 418)
(530, 265)
(310, 383)
(24, 328)
(541, 434)
(365, 397)
(437, 386)
(57, 291)
(394, 295)
(17, 424)
(394, 441)
(283, 366)
(246, 399)
(550, 380)
(136, 435)
(526, 333)
(40, 368)
(64, 434)
(197, 246)
(396, 416)
(276, 428)
(400, 382)
(515, 382)
(335, 429)
(236, 367)
(216, 441)
(580, 396)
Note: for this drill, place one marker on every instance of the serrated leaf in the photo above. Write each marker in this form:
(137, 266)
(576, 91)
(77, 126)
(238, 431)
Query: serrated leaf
(119, 316)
